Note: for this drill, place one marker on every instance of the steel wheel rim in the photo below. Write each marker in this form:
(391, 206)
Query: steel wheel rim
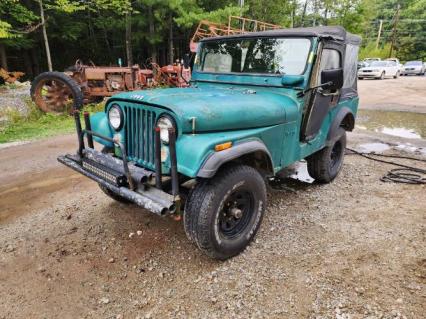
(54, 96)
(231, 225)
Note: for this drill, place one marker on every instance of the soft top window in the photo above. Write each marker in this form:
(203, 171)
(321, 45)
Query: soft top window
(256, 56)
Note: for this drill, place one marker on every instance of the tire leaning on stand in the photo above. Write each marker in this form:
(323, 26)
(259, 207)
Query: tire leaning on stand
(64, 93)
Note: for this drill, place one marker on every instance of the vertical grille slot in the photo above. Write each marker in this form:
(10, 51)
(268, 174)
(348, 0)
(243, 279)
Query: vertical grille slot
(139, 134)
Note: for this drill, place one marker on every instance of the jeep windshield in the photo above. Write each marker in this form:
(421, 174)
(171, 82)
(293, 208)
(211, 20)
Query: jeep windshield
(271, 56)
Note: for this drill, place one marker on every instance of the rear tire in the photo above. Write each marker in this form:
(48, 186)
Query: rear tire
(326, 164)
(223, 214)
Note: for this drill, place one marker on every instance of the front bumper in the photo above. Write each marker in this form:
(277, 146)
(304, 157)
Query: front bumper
(369, 74)
(136, 184)
(415, 71)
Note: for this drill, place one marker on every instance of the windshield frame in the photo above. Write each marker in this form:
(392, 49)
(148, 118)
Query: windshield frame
(309, 38)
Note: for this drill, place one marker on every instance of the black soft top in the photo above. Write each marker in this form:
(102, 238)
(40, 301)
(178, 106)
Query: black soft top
(331, 32)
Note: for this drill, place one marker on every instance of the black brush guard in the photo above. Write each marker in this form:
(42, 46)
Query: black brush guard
(121, 177)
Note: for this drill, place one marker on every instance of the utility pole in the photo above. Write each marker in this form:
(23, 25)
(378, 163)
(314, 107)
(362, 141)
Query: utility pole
(46, 41)
(394, 30)
(379, 34)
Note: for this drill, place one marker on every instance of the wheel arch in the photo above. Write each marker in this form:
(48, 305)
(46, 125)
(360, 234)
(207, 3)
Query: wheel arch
(252, 153)
(344, 118)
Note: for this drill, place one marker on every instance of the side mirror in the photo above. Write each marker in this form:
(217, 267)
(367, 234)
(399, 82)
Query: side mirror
(334, 77)
(186, 61)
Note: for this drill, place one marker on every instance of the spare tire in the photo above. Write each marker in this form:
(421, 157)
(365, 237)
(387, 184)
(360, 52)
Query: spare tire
(56, 92)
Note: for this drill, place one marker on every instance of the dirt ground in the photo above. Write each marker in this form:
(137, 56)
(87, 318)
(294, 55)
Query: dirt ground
(354, 248)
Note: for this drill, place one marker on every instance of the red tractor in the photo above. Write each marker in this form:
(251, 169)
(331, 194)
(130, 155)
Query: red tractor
(59, 92)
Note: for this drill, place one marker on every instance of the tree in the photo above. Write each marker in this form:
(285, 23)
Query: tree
(15, 19)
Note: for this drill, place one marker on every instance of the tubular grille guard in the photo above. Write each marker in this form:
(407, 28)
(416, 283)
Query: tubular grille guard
(91, 163)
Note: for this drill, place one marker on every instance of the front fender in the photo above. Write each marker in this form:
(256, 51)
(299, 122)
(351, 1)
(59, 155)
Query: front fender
(195, 150)
(99, 123)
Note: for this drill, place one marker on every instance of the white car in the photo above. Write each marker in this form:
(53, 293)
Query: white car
(379, 70)
(397, 62)
(413, 67)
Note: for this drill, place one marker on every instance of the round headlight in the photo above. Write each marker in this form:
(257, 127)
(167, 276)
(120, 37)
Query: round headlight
(115, 117)
(164, 123)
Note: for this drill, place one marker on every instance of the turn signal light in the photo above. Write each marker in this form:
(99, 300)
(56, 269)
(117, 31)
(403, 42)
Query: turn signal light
(223, 146)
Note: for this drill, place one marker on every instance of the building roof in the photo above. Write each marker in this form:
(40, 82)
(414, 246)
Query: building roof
(333, 32)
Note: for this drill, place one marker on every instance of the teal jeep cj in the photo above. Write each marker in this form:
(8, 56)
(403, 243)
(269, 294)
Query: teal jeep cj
(257, 103)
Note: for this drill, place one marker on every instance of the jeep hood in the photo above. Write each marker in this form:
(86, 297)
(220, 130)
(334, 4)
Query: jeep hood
(218, 109)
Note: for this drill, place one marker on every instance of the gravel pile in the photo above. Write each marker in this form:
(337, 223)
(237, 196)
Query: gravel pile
(14, 99)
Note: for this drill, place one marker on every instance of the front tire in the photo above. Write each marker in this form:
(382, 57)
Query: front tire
(326, 164)
(396, 75)
(223, 214)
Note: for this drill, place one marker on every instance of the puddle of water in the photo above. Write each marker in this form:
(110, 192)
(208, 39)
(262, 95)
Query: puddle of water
(402, 124)
(411, 148)
(373, 147)
(401, 132)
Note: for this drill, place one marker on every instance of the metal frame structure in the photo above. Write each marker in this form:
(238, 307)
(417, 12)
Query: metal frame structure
(236, 25)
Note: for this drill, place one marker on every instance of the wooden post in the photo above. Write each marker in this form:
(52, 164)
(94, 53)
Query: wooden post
(379, 34)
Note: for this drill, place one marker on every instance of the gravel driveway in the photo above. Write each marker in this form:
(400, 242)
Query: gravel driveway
(352, 249)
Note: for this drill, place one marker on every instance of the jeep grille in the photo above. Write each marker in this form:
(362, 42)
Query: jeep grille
(139, 133)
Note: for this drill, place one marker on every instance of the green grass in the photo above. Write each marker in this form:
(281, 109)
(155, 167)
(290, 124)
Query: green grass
(37, 124)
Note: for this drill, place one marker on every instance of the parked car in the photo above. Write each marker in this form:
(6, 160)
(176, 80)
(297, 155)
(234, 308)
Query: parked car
(397, 62)
(379, 70)
(257, 103)
(413, 67)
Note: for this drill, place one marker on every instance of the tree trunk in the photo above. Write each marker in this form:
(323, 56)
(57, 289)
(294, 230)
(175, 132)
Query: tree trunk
(46, 41)
(3, 57)
(326, 16)
(94, 42)
(152, 35)
(35, 61)
(171, 56)
(27, 64)
(129, 53)
(305, 6)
